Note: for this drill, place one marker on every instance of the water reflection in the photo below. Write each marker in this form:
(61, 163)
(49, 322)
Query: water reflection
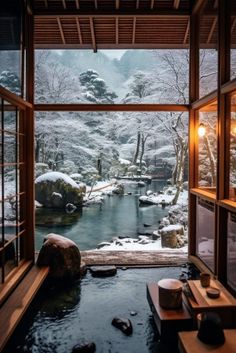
(118, 216)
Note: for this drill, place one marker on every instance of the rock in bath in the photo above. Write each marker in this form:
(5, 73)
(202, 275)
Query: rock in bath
(103, 271)
(86, 347)
(123, 324)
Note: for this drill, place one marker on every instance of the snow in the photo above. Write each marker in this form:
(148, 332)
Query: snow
(124, 161)
(165, 198)
(54, 176)
(172, 227)
(143, 243)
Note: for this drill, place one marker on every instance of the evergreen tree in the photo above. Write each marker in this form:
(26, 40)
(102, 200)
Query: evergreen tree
(95, 88)
(10, 81)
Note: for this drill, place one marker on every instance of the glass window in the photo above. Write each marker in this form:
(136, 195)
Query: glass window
(208, 48)
(233, 39)
(231, 250)
(232, 185)
(10, 45)
(205, 232)
(207, 147)
(112, 76)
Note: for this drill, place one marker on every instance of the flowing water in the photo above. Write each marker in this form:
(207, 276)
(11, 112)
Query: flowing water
(60, 319)
(118, 216)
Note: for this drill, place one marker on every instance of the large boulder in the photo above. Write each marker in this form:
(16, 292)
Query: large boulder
(62, 256)
(56, 190)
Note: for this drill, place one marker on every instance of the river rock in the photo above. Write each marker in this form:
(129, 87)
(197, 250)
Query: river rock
(123, 324)
(56, 190)
(103, 271)
(62, 256)
(118, 189)
(85, 347)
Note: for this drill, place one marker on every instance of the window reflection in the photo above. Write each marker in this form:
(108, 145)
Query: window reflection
(232, 188)
(231, 250)
(207, 148)
(205, 232)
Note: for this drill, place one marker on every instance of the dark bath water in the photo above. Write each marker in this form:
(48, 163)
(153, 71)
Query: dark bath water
(59, 319)
(117, 216)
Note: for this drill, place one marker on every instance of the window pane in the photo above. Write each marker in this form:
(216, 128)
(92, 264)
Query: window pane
(207, 148)
(10, 43)
(231, 250)
(70, 76)
(232, 186)
(233, 39)
(208, 48)
(205, 232)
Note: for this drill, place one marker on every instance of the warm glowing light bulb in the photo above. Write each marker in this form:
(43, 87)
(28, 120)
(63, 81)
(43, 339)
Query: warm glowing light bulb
(201, 130)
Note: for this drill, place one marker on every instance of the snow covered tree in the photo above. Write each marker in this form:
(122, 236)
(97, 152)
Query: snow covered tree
(10, 81)
(95, 88)
(140, 84)
(54, 82)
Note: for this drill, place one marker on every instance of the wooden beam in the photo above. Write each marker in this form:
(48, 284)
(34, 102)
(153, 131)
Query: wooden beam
(79, 30)
(206, 100)
(215, 4)
(212, 30)
(112, 107)
(176, 4)
(229, 86)
(233, 26)
(14, 99)
(134, 30)
(155, 13)
(117, 4)
(64, 4)
(137, 4)
(77, 4)
(186, 33)
(115, 46)
(152, 4)
(96, 4)
(61, 30)
(197, 7)
(117, 30)
(93, 34)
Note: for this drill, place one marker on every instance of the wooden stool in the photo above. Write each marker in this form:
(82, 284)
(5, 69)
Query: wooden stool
(168, 322)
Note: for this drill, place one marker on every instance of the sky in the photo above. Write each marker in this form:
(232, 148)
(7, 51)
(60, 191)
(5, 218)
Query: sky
(113, 54)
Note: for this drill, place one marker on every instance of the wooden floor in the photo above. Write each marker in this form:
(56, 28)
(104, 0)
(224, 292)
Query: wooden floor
(134, 258)
(15, 306)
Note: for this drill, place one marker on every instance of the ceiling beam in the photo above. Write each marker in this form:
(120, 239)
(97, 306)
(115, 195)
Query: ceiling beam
(137, 4)
(186, 32)
(96, 4)
(152, 4)
(173, 13)
(198, 6)
(176, 4)
(120, 46)
(64, 4)
(77, 4)
(117, 4)
(212, 30)
(92, 31)
(61, 30)
(79, 30)
(134, 30)
(117, 30)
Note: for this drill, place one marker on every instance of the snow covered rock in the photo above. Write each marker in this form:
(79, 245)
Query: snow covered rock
(62, 256)
(56, 190)
(169, 237)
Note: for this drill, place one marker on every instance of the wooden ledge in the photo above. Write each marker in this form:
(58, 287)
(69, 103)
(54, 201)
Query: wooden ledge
(15, 306)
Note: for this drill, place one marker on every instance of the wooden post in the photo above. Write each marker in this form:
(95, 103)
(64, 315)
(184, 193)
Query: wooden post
(29, 143)
(224, 30)
(193, 96)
